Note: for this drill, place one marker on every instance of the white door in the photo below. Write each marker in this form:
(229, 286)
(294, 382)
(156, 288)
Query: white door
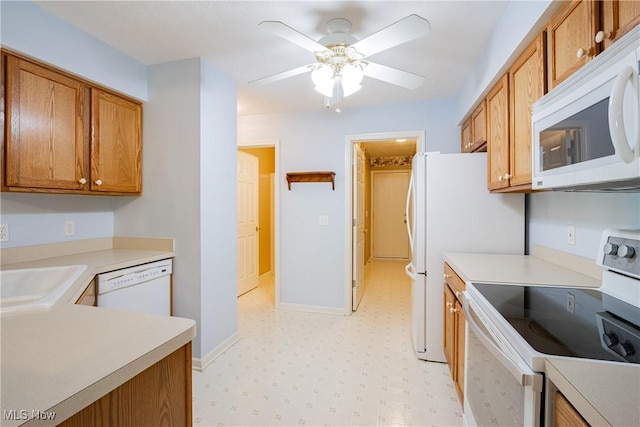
(247, 222)
(358, 225)
(389, 191)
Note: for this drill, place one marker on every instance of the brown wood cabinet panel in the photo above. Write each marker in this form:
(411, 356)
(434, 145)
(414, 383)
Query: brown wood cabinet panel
(89, 296)
(465, 136)
(498, 135)
(116, 147)
(565, 414)
(45, 136)
(617, 18)
(572, 28)
(449, 330)
(454, 281)
(479, 126)
(460, 349)
(158, 396)
(526, 85)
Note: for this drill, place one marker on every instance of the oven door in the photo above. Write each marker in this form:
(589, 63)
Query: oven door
(500, 389)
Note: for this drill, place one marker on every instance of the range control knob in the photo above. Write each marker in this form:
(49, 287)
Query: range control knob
(624, 349)
(610, 249)
(626, 251)
(610, 339)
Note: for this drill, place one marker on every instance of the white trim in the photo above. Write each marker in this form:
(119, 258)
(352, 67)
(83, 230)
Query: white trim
(201, 364)
(276, 200)
(313, 308)
(420, 136)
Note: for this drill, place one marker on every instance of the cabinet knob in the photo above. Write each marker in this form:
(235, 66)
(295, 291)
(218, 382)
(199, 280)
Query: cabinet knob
(98, 182)
(499, 177)
(458, 294)
(601, 36)
(82, 181)
(449, 304)
(453, 310)
(507, 176)
(446, 276)
(583, 52)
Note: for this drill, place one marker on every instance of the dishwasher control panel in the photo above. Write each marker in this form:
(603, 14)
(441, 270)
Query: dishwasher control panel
(131, 276)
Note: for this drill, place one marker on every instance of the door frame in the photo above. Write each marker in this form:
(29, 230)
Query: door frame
(420, 136)
(276, 206)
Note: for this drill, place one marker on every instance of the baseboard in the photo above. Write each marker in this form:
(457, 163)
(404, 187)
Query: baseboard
(311, 308)
(200, 364)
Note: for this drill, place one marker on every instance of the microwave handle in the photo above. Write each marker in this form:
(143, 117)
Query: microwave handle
(624, 150)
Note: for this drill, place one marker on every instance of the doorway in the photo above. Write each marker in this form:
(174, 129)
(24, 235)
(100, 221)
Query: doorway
(382, 151)
(267, 215)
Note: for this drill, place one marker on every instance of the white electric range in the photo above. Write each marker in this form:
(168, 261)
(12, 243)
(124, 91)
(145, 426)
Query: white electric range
(512, 328)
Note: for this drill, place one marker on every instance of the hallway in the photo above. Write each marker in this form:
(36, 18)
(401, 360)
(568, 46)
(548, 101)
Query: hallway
(296, 368)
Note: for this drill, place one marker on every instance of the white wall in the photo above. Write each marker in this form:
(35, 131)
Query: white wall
(27, 28)
(31, 30)
(189, 192)
(590, 213)
(312, 256)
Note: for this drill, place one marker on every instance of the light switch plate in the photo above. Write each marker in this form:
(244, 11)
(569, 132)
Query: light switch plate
(4, 232)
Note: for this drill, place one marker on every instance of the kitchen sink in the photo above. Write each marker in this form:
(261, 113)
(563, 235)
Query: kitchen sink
(36, 287)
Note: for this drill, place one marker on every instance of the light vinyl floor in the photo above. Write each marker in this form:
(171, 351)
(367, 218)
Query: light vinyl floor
(296, 368)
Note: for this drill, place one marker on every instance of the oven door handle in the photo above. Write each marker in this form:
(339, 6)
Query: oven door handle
(520, 371)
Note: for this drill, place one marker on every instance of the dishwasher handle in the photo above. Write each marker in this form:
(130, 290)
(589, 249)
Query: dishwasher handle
(520, 371)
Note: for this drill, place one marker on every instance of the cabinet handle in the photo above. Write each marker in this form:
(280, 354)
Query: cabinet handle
(602, 36)
(82, 181)
(452, 310)
(98, 182)
(583, 52)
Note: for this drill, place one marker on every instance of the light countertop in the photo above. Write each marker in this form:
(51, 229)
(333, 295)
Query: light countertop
(64, 358)
(517, 269)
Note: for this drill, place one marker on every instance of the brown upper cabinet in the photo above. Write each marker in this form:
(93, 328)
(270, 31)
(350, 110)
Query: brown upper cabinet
(617, 18)
(498, 135)
(581, 29)
(526, 86)
(63, 135)
(465, 136)
(474, 130)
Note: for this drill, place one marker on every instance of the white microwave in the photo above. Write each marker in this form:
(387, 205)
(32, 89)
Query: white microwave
(586, 133)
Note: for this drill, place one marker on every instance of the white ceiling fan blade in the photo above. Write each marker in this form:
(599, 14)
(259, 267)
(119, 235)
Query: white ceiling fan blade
(393, 76)
(294, 36)
(281, 76)
(407, 29)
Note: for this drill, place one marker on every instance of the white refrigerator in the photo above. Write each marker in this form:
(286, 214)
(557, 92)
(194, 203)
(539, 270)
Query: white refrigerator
(450, 210)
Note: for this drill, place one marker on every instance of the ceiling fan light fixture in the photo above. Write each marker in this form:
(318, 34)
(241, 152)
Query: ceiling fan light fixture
(352, 75)
(322, 78)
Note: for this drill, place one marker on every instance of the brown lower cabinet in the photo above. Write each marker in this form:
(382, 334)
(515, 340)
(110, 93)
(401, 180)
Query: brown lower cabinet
(158, 396)
(565, 414)
(454, 328)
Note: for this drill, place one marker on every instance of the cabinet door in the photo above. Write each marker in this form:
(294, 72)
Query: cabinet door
(45, 144)
(116, 145)
(498, 135)
(526, 85)
(565, 414)
(571, 40)
(479, 126)
(465, 136)
(618, 17)
(449, 329)
(88, 297)
(460, 350)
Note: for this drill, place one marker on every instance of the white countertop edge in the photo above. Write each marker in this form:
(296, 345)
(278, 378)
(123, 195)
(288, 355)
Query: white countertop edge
(74, 404)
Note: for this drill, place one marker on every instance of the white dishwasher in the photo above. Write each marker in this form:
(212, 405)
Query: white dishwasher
(145, 288)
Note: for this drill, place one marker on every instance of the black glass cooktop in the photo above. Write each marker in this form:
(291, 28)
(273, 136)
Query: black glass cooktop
(583, 323)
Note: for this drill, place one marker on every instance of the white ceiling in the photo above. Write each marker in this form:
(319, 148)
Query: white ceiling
(226, 34)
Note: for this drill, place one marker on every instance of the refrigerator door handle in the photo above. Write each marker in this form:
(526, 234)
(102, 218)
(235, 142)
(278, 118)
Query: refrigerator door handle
(408, 269)
(407, 216)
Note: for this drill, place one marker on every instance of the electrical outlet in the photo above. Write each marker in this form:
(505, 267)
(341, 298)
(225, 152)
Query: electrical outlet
(323, 220)
(571, 235)
(69, 228)
(4, 232)
(571, 303)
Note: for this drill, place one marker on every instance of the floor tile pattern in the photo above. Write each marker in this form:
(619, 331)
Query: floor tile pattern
(296, 368)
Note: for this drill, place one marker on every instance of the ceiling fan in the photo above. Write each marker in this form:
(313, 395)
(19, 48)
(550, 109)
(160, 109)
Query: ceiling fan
(341, 59)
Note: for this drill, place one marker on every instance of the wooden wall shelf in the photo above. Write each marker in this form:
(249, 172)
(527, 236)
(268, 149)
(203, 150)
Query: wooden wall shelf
(321, 176)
